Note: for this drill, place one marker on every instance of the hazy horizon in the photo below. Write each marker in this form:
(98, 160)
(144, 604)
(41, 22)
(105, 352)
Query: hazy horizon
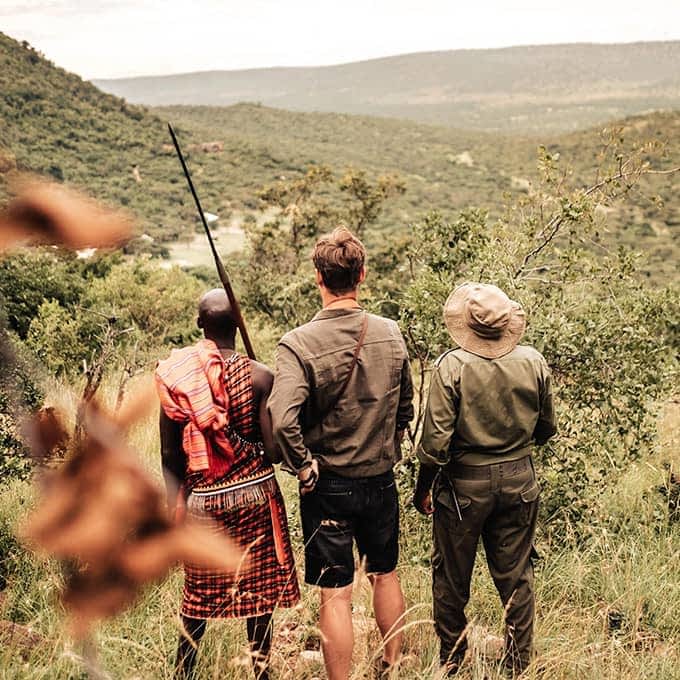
(116, 39)
(383, 57)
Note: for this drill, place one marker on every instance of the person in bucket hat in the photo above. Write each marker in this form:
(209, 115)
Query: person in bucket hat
(489, 401)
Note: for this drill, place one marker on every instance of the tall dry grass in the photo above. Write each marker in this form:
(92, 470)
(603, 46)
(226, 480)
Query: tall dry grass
(610, 609)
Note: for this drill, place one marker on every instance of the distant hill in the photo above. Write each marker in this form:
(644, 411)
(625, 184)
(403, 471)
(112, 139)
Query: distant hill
(447, 169)
(536, 89)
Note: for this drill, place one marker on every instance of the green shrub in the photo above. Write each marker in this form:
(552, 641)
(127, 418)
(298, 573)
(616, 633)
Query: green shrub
(19, 396)
(29, 277)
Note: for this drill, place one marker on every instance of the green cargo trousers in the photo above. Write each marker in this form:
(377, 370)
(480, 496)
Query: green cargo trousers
(500, 503)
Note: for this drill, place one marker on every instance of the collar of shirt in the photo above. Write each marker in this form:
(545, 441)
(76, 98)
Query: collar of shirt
(333, 313)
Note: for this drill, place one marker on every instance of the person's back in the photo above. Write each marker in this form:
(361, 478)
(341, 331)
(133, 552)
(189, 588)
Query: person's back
(489, 401)
(499, 403)
(352, 433)
(340, 404)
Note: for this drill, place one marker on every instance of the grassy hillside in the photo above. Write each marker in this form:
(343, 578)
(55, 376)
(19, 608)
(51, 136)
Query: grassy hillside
(447, 169)
(536, 89)
(54, 123)
(435, 162)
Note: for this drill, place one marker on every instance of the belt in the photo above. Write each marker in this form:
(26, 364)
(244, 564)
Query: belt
(506, 469)
(234, 485)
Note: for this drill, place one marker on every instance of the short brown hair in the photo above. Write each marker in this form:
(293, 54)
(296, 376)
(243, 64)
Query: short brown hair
(339, 257)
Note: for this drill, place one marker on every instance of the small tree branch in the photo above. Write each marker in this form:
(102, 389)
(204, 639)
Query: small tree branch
(555, 223)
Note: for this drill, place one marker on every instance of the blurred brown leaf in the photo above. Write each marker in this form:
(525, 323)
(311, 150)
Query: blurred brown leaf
(48, 437)
(49, 213)
(140, 403)
(105, 517)
(147, 559)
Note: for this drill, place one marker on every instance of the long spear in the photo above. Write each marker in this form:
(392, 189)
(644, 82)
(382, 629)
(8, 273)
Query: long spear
(221, 271)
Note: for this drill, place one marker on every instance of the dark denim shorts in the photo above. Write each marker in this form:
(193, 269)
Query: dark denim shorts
(340, 511)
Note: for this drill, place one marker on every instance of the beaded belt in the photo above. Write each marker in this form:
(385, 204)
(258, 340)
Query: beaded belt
(234, 485)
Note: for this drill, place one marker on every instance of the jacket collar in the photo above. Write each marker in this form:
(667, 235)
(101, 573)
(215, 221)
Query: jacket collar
(334, 313)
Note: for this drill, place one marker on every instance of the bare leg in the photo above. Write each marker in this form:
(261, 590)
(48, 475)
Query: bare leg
(260, 640)
(389, 608)
(337, 633)
(188, 647)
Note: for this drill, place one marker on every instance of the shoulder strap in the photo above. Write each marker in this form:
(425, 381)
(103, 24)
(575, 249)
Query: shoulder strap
(357, 349)
(441, 357)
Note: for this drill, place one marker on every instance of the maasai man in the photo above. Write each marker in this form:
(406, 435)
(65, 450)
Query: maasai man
(217, 450)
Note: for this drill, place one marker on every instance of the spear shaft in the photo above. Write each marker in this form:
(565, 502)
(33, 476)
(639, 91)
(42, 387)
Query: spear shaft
(221, 271)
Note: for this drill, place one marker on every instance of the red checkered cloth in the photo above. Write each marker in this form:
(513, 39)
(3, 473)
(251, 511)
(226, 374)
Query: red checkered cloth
(247, 504)
(270, 580)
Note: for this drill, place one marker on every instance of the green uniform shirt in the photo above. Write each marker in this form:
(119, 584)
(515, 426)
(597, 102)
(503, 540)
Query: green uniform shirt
(482, 411)
(357, 435)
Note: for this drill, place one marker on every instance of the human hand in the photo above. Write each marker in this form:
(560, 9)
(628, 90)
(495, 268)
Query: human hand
(423, 503)
(308, 477)
(422, 497)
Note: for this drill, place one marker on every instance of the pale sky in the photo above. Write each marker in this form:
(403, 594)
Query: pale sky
(108, 38)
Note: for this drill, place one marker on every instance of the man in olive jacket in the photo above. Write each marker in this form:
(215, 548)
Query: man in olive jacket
(340, 404)
(488, 401)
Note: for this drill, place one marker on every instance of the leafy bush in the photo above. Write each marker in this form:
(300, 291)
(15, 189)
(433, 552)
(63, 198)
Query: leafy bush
(67, 309)
(19, 396)
(607, 335)
(29, 277)
(133, 310)
(55, 337)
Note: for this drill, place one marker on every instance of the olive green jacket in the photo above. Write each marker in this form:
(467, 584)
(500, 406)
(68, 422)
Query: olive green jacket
(358, 435)
(482, 411)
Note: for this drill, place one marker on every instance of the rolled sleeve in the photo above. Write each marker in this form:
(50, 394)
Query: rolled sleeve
(439, 422)
(546, 426)
(289, 394)
(405, 408)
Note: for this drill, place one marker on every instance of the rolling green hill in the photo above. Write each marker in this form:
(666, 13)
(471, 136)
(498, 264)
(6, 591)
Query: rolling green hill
(447, 169)
(52, 122)
(55, 124)
(536, 89)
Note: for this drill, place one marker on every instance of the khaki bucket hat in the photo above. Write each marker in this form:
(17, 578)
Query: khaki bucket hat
(483, 320)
